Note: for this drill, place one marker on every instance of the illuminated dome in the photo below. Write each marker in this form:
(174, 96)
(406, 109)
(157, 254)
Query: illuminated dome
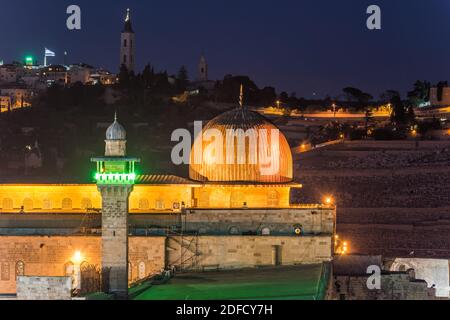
(258, 151)
(116, 131)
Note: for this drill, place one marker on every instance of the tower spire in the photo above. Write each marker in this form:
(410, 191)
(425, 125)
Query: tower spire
(128, 28)
(128, 44)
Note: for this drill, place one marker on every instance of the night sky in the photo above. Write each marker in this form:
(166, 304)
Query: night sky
(301, 46)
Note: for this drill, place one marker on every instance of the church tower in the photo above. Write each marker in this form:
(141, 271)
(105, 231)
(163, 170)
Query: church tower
(127, 44)
(115, 178)
(202, 69)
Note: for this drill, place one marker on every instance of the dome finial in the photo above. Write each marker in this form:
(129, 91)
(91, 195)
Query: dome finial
(127, 18)
(241, 96)
(115, 115)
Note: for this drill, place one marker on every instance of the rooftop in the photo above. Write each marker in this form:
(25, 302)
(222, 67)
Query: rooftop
(293, 283)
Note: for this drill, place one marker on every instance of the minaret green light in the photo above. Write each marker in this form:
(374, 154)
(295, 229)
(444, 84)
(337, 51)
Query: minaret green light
(115, 168)
(115, 178)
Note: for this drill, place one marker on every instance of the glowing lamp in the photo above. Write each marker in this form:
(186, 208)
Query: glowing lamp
(77, 257)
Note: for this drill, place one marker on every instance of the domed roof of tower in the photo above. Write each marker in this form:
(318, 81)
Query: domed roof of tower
(246, 125)
(115, 131)
(127, 27)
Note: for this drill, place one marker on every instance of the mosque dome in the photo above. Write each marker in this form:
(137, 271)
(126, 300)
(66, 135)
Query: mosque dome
(252, 149)
(115, 131)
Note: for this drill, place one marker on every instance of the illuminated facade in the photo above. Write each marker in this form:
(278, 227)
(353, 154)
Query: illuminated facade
(210, 185)
(235, 219)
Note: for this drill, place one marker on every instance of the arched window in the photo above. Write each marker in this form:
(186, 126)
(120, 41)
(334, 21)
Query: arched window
(124, 58)
(237, 199)
(143, 204)
(86, 203)
(47, 204)
(124, 42)
(273, 198)
(234, 231)
(67, 204)
(130, 272)
(265, 231)
(7, 204)
(141, 270)
(28, 204)
(20, 268)
(4, 271)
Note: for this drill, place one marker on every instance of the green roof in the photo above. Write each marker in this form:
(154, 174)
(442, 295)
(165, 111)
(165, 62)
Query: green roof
(305, 282)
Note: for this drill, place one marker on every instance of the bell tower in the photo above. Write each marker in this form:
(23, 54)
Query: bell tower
(202, 69)
(115, 178)
(127, 44)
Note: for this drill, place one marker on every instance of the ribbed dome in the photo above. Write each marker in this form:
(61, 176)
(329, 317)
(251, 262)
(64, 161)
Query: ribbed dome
(116, 132)
(243, 133)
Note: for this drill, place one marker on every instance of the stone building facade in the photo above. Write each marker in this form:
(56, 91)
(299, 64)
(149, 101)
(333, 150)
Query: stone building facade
(55, 255)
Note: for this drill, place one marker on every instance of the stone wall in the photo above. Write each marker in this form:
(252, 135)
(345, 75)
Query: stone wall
(44, 288)
(434, 271)
(317, 220)
(233, 252)
(54, 256)
(51, 256)
(394, 286)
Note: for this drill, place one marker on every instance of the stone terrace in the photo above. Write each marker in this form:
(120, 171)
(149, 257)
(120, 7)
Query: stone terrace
(393, 198)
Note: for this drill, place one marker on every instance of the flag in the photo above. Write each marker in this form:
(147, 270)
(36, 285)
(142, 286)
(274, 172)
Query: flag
(49, 53)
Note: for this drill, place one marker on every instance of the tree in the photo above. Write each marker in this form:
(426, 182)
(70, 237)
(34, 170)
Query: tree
(401, 116)
(124, 76)
(388, 95)
(354, 94)
(420, 94)
(147, 77)
(267, 96)
(283, 97)
(182, 78)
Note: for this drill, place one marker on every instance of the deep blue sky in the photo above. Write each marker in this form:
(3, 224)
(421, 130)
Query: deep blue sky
(300, 46)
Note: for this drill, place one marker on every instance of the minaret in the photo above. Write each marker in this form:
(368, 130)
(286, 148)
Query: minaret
(202, 69)
(127, 44)
(115, 179)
